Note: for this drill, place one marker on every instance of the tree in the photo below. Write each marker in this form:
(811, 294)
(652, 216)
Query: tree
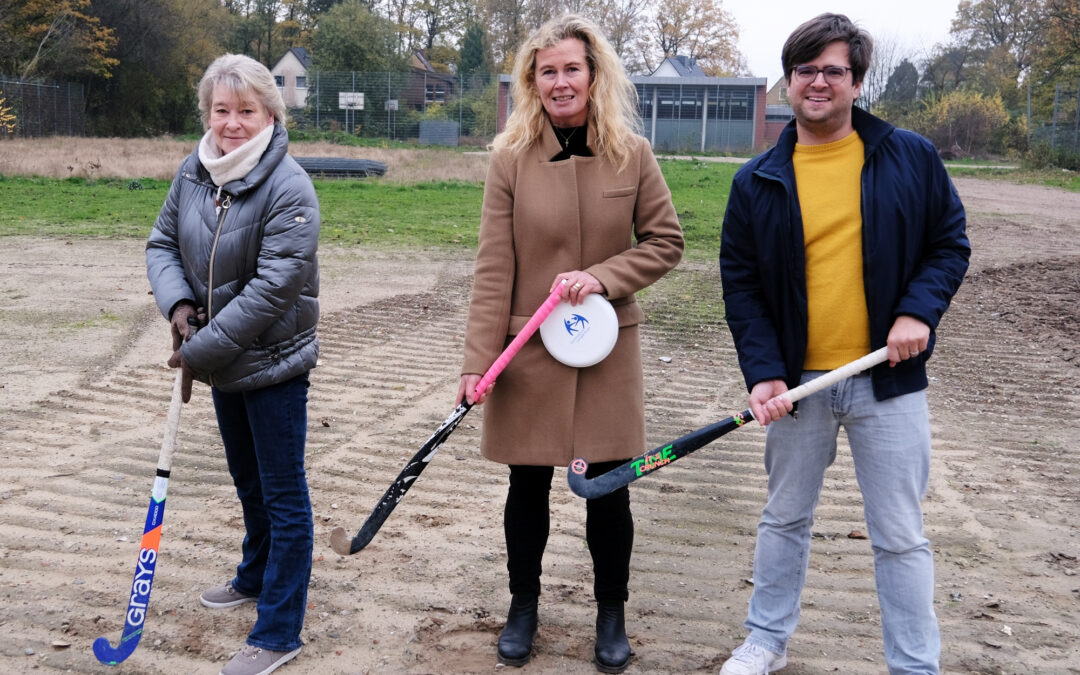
(888, 54)
(967, 120)
(700, 29)
(903, 84)
(506, 24)
(1058, 56)
(163, 47)
(402, 14)
(7, 118)
(438, 19)
(351, 37)
(623, 21)
(900, 98)
(54, 39)
(1012, 25)
(475, 55)
(950, 66)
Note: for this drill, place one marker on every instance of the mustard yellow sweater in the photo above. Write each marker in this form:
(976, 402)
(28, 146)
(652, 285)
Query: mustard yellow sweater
(828, 181)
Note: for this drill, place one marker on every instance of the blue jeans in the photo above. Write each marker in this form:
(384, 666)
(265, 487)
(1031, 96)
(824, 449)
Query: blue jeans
(890, 447)
(264, 432)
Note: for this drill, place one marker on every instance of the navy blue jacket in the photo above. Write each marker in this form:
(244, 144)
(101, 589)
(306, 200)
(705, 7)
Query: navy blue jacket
(915, 253)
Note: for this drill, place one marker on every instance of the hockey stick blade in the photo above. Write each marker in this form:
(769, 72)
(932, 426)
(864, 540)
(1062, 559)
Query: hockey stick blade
(148, 547)
(643, 465)
(339, 538)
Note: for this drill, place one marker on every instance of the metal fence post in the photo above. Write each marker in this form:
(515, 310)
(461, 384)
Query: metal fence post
(1053, 120)
(1076, 120)
(1029, 111)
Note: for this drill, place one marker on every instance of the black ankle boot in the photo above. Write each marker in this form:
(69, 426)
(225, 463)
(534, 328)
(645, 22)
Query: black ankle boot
(515, 642)
(612, 653)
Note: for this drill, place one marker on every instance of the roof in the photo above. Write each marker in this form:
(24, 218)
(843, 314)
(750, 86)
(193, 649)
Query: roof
(302, 56)
(420, 61)
(700, 80)
(683, 65)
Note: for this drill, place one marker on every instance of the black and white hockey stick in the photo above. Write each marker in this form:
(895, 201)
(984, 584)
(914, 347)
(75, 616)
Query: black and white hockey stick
(643, 465)
(339, 538)
(148, 547)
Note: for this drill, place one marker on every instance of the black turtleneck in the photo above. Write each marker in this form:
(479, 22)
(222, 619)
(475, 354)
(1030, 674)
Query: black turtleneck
(574, 141)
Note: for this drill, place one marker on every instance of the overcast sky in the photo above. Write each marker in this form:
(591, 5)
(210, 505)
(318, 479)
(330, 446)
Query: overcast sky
(765, 24)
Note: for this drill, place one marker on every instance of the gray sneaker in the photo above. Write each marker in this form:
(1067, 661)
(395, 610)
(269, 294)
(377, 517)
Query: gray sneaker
(219, 597)
(252, 660)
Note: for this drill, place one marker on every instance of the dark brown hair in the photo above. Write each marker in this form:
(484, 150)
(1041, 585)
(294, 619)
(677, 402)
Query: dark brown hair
(810, 39)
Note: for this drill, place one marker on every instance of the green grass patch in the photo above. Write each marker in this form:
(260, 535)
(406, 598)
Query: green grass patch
(369, 212)
(79, 207)
(425, 214)
(699, 191)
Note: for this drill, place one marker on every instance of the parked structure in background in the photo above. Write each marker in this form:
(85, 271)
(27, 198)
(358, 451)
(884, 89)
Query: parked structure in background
(291, 75)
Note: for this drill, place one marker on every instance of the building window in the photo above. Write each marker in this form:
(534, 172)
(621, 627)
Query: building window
(727, 104)
(279, 80)
(435, 93)
(301, 81)
(783, 94)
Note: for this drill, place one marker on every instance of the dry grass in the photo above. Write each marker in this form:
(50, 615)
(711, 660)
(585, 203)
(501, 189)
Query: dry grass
(65, 157)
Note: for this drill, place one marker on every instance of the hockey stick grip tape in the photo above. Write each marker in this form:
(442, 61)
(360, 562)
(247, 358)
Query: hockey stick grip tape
(519, 341)
(833, 376)
(172, 425)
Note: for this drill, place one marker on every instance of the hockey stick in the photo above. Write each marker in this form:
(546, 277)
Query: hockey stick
(148, 547)
(643, 465)
(339, 538)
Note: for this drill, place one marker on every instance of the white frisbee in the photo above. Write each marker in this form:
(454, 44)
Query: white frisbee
(581, 335)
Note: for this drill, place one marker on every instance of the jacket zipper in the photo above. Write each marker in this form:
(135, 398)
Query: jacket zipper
(222, 208)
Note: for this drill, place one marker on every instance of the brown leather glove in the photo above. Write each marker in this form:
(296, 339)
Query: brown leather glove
(177, 361)
(181, 329)
(184, 322)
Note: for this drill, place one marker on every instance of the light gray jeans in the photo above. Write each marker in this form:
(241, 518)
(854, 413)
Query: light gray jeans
(890, 447)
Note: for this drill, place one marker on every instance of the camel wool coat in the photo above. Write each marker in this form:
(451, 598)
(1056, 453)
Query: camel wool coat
(541, 218)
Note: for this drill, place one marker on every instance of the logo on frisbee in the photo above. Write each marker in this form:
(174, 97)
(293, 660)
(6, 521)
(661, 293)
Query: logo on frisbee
(576, 326)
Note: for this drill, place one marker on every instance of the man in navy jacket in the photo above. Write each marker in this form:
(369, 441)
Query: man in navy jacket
(845, 237)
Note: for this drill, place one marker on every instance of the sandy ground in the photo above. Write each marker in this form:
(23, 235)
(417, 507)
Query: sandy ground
(83, 394)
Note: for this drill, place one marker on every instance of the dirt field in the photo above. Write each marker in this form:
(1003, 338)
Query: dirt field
(83, 394)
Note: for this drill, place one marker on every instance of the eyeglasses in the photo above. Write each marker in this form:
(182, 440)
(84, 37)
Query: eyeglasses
(833, 74)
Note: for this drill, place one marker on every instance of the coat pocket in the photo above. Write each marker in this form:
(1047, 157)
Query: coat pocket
(620, 192)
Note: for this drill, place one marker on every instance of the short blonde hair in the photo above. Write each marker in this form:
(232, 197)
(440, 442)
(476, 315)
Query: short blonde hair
(612, 107)
(242, 75)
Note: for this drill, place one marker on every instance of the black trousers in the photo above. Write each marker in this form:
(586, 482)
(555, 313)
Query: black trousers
(609, 532)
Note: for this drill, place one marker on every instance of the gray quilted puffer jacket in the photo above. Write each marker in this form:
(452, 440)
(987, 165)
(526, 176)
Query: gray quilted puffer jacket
(253, 266)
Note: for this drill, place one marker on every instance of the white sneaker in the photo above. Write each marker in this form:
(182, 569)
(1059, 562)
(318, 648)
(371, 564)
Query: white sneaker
(751, 659)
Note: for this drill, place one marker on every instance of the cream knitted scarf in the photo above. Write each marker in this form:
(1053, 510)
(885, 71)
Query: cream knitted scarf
(236, 164)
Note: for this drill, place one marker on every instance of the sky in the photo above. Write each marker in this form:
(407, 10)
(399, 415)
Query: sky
(914, 25)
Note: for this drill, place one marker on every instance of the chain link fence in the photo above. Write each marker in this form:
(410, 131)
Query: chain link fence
(432, 108)
(1060, 135)
(44, 108)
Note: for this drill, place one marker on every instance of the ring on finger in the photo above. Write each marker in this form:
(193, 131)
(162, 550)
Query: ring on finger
(577, 285)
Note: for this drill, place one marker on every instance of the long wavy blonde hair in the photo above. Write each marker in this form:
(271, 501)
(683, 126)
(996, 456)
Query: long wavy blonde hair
(612, 107)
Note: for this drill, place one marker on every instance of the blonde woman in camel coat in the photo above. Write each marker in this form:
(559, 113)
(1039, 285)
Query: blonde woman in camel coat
(574, 194)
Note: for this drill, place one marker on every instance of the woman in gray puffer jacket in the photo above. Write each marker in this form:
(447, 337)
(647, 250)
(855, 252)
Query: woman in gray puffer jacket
(234, 251)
